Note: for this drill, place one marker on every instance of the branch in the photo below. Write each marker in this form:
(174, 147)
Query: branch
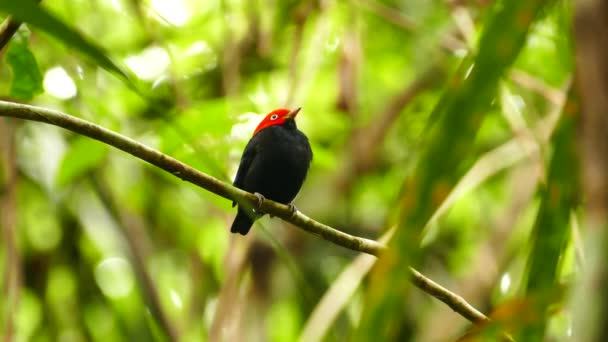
(8, 28)
(189, 174)
(368, 141)
(450, 299)
(12, 277)
(590, 302)
(138, 252)
(365, 142)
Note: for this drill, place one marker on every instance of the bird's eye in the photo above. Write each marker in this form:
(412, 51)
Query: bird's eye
(274, 117)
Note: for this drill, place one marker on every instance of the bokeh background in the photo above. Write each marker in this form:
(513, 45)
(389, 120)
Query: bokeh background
(440, 118)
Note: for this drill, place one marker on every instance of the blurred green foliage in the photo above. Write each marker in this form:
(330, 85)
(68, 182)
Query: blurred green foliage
(27, 80)
(112, 249)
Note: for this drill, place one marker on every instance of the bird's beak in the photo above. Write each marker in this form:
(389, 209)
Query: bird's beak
(293, 113)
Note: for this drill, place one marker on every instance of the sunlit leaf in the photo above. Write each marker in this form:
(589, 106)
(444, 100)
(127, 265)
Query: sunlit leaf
(37, 16)
(27, 80)
(551, 230)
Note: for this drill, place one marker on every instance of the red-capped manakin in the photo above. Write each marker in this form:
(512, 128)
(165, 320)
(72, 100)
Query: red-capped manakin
(274, 164)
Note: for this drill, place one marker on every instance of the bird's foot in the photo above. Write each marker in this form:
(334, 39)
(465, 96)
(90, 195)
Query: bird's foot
(260, 198)
(293, 210)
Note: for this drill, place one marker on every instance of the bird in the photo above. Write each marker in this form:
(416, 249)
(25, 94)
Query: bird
(274, 165)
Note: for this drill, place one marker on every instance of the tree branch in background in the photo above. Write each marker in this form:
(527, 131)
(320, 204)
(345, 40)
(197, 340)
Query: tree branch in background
(139, 251)
(590, 301)
(348, 72)
(8, 28)
(387, 13)
(366, 142)
(8, 219)
(300, 17)
(189, 174)
(8, 223)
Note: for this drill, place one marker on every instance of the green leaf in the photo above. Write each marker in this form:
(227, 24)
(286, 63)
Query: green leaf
(29, 12)
(455, 122)
(551, 230)
(27, 80)
(84, 155)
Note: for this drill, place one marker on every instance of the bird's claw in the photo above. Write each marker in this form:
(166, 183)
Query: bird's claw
(293, 210)
(260, 198)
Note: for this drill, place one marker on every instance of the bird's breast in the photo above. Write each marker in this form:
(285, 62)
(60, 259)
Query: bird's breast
(280, 165)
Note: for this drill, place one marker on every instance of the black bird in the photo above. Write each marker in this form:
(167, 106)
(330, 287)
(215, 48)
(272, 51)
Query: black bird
(274, 164)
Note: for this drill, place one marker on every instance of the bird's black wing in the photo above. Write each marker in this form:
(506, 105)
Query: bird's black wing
(248, 156)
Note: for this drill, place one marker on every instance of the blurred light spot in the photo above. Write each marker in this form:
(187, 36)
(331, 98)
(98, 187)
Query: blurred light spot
(28, 316)
(260, 96)
(174, 11)
(177, 301)
(518, 101)
(159, 81)
(79, 72)
(41, 153)
(117, 5)
(203, 52)
(460, 52)
(543, 36)
(569, 331)
(332, 44)
(197, 47)
(210, 311)
(61, 284)
(115, 277)
(150, 63)
(469, 71)
(59, 84)
(98, 225)
(505, 283)
(247, 124)
(46, 234)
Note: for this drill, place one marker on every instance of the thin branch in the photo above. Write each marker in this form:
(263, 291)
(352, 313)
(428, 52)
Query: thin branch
(452, 300)
(139, 252)
(8, 222)
(365, 142)
(389, 14)
(8, 28)
(301, 16)
(189, 174)
(527, 81)
(370, 142)
(590, 300)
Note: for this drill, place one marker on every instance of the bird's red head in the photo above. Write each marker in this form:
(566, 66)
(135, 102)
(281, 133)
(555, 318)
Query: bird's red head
(277, 117)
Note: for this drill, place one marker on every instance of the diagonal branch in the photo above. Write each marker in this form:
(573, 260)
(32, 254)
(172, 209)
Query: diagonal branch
(189, 174)
(8, 28)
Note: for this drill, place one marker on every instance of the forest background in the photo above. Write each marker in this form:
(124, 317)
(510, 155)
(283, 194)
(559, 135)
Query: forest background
(465, 139)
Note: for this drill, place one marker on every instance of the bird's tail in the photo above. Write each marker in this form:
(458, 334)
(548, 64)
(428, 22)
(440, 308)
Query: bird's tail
(242, 223)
